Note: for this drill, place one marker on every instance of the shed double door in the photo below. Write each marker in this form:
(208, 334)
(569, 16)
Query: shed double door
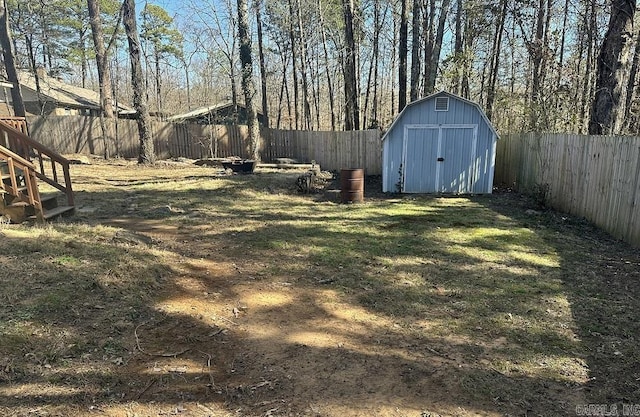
(439, 158)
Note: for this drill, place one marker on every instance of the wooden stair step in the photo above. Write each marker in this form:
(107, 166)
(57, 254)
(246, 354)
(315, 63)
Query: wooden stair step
(54, 212)
(49, 201)
(58, 211)
(48, 197)
(19, 203)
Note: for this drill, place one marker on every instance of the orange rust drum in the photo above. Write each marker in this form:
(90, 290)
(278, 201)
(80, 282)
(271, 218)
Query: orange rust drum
(352, 185)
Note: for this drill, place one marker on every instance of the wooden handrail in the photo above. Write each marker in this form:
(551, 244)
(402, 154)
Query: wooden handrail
(17, 163)
(18, 123)
(7, 153)
(26, 147)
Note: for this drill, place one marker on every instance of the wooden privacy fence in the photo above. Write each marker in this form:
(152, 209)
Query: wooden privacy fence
(82, 134)
(596, 177)
(332, 150)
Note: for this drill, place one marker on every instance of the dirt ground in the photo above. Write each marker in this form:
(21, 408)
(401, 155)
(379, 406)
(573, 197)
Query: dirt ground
(226, 325)
(275, 348)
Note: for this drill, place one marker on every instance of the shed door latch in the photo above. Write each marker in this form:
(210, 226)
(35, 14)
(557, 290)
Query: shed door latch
(441, 159)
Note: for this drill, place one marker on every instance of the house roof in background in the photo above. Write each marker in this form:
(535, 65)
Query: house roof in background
(201, 111)
(63, 93)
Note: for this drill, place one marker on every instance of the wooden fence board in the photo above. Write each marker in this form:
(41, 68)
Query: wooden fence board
(332, 150)
(633, 230)
(596, 177)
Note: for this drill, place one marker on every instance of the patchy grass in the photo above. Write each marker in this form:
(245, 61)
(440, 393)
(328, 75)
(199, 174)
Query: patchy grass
(176, 290)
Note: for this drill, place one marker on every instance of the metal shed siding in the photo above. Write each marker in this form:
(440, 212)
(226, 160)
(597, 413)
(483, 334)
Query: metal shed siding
(420, 166)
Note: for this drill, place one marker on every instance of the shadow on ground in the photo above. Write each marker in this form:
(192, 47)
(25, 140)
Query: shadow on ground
(208, 305)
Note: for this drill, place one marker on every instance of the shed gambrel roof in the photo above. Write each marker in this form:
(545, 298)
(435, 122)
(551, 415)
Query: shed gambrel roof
(440, 93)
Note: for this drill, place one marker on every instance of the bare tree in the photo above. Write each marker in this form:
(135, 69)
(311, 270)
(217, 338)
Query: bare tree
(9, 61)
(294, 61)
(104, 74)
(415, 51)
(436, 46)
(247, 77)
(214, 24)
(146, 154)
(102, 64)
(263, 67)
(352, 111)
(607, 111)
(330, 83)
(402, 55)
(495, 59)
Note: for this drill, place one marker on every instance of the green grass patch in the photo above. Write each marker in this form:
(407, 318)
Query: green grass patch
(509, 297)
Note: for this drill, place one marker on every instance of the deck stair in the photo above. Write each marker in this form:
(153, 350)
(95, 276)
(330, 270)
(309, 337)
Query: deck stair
(23, 163)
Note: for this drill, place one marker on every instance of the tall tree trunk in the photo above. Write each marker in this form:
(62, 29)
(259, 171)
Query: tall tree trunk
(326, 64)
(631, 84)
(8, 54)
(306, 107)
(247, 77)
(28, 38)
(607, 111)
(415, 51)
(292, 40)
(188, 81)
(263, 68)
(283, 84)
(402, 55)
(457, 49)
(156, 61)
(104, 74)
(315, 86)
(563, 38)
(537, 51)
(375, 120)
(429, 37)
(587, 87)
(495, 60)
(284, 88)
(352, 112)
(234, 88)
(394, 59)
(437, 47)
(83, 57)
(146, 154)
(465, 90)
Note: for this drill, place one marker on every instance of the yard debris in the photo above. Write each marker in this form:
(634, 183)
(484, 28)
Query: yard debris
(146, 388)
(164, 355)
(313, 181)
(78, 159)
(132, 238)
(213, 316)
(210, 162)
(285, 161)
(217, 332)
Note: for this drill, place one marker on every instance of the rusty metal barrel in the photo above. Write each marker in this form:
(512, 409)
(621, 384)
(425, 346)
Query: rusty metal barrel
(352, 185)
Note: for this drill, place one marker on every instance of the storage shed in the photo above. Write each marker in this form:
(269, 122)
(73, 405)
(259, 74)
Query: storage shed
(442, 143)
